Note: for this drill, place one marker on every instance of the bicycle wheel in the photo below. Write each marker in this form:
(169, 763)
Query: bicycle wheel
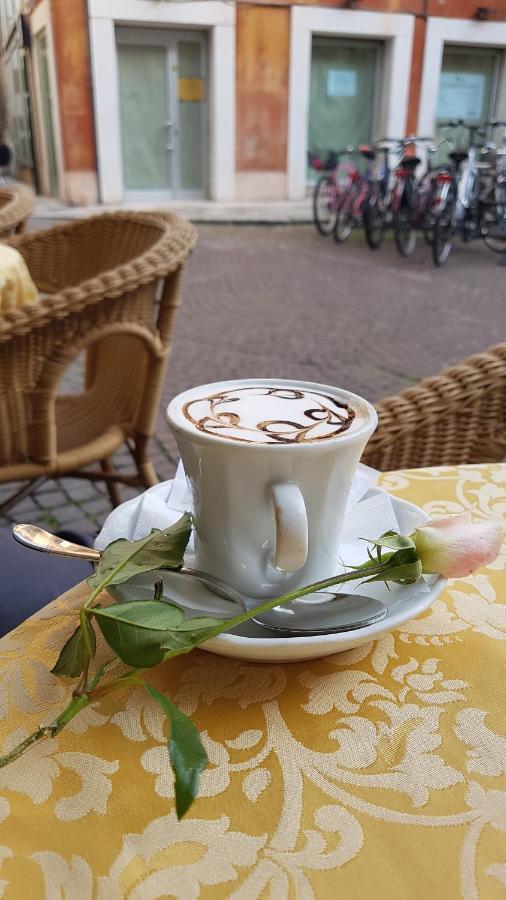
(344, 219)
(495, 236)
(404, 233)
(374, 221)
(325, 205)
(442, 236)
(495, 241)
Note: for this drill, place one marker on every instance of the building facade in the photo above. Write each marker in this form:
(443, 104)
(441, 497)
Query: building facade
(151, 100)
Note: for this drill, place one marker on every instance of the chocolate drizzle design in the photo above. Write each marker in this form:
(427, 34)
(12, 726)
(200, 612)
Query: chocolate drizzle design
(312, 417)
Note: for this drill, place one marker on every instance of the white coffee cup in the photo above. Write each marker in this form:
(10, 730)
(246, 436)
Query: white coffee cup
(269, 498)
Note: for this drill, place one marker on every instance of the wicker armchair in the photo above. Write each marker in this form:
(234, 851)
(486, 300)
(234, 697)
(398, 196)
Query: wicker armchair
(16, 204)
(112, 284)
(455, 418)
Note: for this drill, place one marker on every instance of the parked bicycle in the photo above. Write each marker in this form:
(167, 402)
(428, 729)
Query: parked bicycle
(398, 197)
(354, 201)
(411, 199)
(377, 206)
(493, 197)
(463, 204)
(329, 188)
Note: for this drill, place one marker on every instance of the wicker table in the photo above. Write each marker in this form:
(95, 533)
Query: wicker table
(374, 772)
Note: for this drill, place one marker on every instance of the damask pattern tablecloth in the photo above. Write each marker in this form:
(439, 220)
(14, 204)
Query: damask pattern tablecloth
(375, 772)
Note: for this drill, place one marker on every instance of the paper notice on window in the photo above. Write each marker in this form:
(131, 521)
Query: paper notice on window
(341, 83)
(461, 96)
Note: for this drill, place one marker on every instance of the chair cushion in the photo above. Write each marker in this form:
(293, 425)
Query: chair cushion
(16, 286)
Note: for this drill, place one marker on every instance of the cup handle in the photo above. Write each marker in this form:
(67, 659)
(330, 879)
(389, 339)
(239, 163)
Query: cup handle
(291, 527)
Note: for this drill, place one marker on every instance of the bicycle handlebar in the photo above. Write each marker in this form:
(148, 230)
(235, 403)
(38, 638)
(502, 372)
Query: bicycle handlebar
(453, 123)
(417, 139)
(404, 141)
(344, 150)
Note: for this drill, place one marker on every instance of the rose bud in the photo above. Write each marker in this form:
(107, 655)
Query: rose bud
(455, 547)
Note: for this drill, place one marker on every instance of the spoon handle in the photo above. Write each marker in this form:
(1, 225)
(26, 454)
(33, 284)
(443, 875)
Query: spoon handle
(38, 539)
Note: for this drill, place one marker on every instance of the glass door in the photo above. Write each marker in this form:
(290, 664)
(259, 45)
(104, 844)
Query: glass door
(344, 88)
(467, 89)
(162, 113)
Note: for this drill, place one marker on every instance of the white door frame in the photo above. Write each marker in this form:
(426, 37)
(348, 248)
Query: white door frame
(40, 19)
(461, 32)
(394, 29)
(167, 39)
(218, 18)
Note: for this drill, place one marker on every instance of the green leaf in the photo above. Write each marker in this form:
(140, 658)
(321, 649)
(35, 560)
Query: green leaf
(73, 655)
(188, 757)
(136, 630)
(193, 632)
(123, 559)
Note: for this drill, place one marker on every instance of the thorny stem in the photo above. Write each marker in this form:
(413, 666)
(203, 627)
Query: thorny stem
(74, 707)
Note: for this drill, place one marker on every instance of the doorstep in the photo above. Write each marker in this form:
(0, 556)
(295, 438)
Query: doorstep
(281, 212)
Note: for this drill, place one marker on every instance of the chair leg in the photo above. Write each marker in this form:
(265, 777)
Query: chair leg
(144, 465)
(112, 487)
(21, 494)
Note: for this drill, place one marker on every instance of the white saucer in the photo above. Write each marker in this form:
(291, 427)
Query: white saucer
(250, 641)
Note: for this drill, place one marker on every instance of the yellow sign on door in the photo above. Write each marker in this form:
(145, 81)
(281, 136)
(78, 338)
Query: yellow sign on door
(191, 89)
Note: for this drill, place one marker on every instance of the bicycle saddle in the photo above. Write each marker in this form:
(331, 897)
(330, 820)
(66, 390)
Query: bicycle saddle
(367, 151)
(458, 156)
(410, 162)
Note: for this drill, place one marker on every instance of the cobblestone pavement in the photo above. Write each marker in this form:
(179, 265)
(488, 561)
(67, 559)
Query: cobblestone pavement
(280, 301)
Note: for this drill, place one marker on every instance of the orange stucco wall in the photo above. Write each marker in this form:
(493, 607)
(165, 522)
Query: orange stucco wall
(262, 54)
(70, 30)
(263, 50)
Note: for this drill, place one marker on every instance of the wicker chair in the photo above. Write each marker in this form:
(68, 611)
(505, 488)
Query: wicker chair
(16, 204)
(112, 285)
(455, 418)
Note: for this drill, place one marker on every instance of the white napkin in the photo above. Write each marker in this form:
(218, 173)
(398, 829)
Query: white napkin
(369, 513)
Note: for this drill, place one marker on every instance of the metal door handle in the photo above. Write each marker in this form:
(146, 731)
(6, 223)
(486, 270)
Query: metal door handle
(168, 146)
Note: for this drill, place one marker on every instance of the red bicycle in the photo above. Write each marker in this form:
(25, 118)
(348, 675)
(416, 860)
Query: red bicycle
(330, 188)
(351, 209)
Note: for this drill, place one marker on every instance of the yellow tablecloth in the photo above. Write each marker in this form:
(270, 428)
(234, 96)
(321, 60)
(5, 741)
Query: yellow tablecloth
(374, 773)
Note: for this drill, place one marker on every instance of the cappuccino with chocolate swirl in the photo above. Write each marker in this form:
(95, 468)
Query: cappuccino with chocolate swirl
(270, 464)
(270, 414)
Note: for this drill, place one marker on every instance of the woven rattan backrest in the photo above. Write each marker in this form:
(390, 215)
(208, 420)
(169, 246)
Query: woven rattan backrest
(16, 204)
(121, 260)
(454, 418)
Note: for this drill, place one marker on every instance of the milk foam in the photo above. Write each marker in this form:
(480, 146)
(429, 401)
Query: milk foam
(270, 414)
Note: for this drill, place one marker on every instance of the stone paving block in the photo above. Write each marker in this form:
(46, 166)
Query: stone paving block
(100, 506)
(79, 491)
(49, 500)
